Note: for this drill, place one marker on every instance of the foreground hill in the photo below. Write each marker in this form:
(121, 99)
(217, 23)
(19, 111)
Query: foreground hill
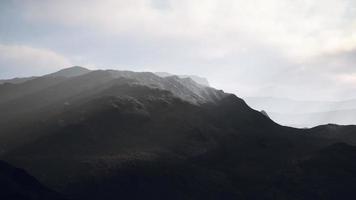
(28, 105)
(120, 134)
(16, 184)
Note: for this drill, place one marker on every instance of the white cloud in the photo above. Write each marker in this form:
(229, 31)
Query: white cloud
(20, 60)
(300, 28)
(294, 48)
(347, 78)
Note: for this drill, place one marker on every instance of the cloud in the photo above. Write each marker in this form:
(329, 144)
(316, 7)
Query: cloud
(299, 28)
(285, 48)
(20, 60)
(347, 78)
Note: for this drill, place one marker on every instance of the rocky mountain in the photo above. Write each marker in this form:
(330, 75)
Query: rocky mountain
(48, 95)
(109, 134)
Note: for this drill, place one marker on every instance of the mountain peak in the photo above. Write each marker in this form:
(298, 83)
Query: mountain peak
(70, 72)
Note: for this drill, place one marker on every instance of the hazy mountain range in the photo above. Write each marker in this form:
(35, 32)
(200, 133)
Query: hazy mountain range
(107, 134)
(306, 113)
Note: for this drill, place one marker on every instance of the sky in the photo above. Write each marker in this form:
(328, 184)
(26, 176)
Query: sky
(299, 49)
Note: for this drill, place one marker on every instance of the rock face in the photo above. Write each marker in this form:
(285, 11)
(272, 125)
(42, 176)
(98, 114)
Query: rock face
(118, 134)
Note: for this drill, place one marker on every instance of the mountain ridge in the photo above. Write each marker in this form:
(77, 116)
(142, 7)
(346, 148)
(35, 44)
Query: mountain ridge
(110, 134)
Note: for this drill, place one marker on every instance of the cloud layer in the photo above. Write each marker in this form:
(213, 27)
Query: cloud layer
(296, 48)
(299, 27)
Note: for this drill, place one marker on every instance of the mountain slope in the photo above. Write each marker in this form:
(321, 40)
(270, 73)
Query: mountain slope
(118, 134)
(70, 72)
(16, 80)
(16, 184)
(26, 106)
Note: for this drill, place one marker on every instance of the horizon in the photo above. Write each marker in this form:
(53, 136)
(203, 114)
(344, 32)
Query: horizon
(197, 75)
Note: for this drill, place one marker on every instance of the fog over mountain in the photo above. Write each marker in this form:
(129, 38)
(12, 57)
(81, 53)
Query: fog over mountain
(198, 79)
(177, 99)
(295, 113)
(306, 113)
(108, 134)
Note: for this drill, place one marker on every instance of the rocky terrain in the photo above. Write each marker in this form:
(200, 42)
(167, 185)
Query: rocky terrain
(109, 134)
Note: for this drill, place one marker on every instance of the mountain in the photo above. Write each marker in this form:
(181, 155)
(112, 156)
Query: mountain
(16, 184)
(344, 134)
(16, 80)
(284, 105)
(70, 72)
(302, 120)
(306, 113)
(110, 134)
(27, 105)
(15, 89)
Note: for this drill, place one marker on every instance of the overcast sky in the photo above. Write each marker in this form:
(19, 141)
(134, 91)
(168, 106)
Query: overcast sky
(301, 49)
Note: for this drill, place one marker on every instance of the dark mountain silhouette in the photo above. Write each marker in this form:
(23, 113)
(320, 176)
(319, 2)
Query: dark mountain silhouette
(16, 184)
(345, 134)
(110, 134)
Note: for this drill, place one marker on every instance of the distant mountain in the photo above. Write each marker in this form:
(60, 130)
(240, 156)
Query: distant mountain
(70, 72)
(305, 113)
(16, 80)
(342, 117)
(109, 134)
(284, 105)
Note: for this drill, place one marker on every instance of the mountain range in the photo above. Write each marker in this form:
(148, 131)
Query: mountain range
(108, 134)
(303, 114)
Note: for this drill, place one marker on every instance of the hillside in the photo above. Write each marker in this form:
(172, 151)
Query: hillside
(110, 134)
